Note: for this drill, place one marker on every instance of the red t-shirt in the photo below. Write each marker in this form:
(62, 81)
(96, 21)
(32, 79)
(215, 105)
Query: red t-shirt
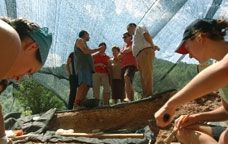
(128, 60)
(101, 63)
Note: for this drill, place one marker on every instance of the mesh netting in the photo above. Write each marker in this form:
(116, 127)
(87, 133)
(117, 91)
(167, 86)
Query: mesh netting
(106, 21)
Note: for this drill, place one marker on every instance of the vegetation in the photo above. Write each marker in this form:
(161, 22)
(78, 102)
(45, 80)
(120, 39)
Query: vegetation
(36, 98)
(33, 97)
(176, 79)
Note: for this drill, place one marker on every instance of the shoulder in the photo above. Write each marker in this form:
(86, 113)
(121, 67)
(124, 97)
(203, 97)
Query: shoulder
(10, 47)
(141, 28)
(79, 40)
(71, 55)
(9, 36)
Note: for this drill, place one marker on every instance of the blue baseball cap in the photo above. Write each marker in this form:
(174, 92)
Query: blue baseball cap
(199, 25)
(43, 40)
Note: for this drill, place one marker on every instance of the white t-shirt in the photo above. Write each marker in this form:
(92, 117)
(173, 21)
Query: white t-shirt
(139, 41)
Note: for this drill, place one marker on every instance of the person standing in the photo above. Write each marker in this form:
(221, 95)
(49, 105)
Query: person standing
(84, 67)
(144, 51)
(117, 84)
(128, 67)
(73, 80)
(101, 75)
(24, 50)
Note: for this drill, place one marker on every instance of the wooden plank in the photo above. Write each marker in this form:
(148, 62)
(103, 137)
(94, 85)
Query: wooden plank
(102, 136)
(123, 116)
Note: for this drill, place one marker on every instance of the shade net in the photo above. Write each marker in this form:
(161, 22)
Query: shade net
(106, 21)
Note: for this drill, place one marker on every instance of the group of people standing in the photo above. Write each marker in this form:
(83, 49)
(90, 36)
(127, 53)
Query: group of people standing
(203, 39)
(25, 47)
(93, 68)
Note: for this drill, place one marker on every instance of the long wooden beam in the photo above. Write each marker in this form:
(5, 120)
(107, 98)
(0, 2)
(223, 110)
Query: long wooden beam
(122, 116)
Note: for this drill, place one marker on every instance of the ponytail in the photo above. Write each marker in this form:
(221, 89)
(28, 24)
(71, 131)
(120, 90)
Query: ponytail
(219, 30)
(222, 26)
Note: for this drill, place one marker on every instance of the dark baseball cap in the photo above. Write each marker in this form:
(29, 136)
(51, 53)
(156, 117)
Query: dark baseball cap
(199, 25)
(43, 39)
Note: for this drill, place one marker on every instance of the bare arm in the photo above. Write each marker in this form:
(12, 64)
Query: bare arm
(148, 38)
(81, 44)
(219, 114)
(67, 67)
(210, 79)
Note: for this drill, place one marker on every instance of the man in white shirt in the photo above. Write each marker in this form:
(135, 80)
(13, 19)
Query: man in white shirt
(144, 51)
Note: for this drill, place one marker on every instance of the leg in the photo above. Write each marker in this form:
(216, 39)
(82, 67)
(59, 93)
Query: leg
(224, 137)
(191, 135)
(96, 85)
(106, 88)
(145, 62)
(73, 90)
(129, 77)
(194, 137)
(81, 93)
(127, 85)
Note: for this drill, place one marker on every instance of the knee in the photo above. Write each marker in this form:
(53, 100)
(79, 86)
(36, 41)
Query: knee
(182, 135)
(224, 137)
(126, 78)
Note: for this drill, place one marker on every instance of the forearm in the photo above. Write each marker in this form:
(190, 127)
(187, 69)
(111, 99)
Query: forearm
(210, 79)
(218, 114)
(67, 69)
(91, 51)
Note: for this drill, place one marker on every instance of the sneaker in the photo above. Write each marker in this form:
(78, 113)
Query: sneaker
(127, 100)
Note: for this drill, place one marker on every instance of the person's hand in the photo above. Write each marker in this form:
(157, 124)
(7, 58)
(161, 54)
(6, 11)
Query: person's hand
(156, 48)
(185, 121)
(102, 48)
(182, 121)
(119, 56)
(164, 115)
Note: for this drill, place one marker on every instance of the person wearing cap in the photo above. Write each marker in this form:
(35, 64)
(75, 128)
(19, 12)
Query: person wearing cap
(144, 51)
(24, 50)
(203, 39)
(84, 67)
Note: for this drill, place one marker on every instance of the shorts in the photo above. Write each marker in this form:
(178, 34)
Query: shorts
(129, 71)
(217, 130)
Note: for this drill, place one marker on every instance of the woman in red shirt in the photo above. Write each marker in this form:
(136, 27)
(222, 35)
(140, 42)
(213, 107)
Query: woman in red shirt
(128, 67)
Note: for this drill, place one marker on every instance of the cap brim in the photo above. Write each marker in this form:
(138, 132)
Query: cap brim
(181, 49)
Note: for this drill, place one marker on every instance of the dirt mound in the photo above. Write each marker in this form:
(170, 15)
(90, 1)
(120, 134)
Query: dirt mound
(205, 103)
